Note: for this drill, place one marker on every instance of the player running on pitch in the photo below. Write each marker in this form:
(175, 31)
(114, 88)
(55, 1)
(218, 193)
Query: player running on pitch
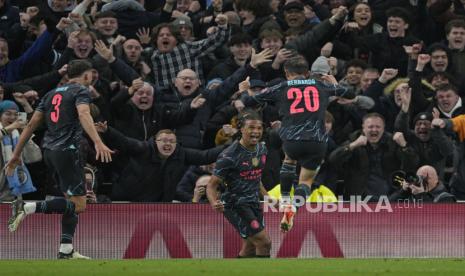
(66, 112)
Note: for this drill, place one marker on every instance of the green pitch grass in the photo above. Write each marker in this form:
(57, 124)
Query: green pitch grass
(246, 267)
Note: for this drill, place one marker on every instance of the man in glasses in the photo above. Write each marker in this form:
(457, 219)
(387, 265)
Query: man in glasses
(154, 167)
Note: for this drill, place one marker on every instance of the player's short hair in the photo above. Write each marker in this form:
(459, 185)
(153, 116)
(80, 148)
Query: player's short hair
(374, 115)
(78, 67)
(445, 75)
(173, 30)
(294, 31)
(164, 131)
(240, 38)
(105, 14)
(438, 47)
(399, 12)
(270, 32)
(357, 63)
(246, 115)
(455, 23)
(447, 87)
(371, 70)
(84, 32)
(296, 65)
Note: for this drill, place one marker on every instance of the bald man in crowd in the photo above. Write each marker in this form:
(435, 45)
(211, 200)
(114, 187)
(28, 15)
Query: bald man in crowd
(425, 187)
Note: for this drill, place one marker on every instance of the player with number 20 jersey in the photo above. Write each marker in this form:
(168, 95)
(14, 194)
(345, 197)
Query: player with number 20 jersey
(302, 103)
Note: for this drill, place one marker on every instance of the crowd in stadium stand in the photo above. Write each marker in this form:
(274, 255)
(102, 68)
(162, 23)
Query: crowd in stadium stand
(169, 76)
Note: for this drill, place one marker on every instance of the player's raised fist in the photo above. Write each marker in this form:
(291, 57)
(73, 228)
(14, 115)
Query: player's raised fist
(423, 59)
(359, 142)
(340, 13)
(399, 139)
(388, 74)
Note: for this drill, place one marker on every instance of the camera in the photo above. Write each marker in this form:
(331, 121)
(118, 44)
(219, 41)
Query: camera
(414, 179)
(411, 178)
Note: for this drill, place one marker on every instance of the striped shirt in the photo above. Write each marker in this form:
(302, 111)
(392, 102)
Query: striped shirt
(185, 55)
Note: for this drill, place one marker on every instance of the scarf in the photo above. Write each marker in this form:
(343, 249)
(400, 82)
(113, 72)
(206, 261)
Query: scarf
(20, 182)
(449, 114)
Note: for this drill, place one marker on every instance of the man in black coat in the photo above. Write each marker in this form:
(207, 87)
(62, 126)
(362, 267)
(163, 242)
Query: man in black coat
(155, 166)
(367, 161)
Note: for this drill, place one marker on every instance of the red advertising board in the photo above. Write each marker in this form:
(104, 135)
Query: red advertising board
(116, 231)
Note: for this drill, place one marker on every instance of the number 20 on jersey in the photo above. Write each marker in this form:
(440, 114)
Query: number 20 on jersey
(310, 97)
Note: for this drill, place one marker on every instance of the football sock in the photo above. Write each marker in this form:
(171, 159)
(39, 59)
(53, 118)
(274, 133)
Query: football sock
(68, 226)
(30, 208)
(287, 175)
(301, 193)
(66, 248)
(55, 206)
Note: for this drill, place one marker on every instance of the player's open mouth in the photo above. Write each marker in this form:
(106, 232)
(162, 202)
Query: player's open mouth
(292, 19)
(422, 134)
(364, 19)
(393, 31)
(83, 50)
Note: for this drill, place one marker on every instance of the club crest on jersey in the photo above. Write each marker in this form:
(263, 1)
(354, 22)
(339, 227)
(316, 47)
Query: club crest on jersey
(255, 162)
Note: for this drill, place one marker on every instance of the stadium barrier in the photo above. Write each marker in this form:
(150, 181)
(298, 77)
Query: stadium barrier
(117, 231)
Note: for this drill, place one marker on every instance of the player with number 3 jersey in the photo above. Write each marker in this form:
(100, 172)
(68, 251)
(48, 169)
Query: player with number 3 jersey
(64, 132)
(66, 112)
(302, 103)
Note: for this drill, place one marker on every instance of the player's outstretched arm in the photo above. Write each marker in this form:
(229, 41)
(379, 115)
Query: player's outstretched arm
(36, 120)
(102, 152)
(212, 193)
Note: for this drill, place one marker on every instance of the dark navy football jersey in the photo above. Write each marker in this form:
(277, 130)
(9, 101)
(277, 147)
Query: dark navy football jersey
(64, 130)
(302, 104)
(241, 172)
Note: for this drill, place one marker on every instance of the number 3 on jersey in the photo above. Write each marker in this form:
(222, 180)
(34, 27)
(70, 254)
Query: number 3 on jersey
(56, 101)
(310, 96)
